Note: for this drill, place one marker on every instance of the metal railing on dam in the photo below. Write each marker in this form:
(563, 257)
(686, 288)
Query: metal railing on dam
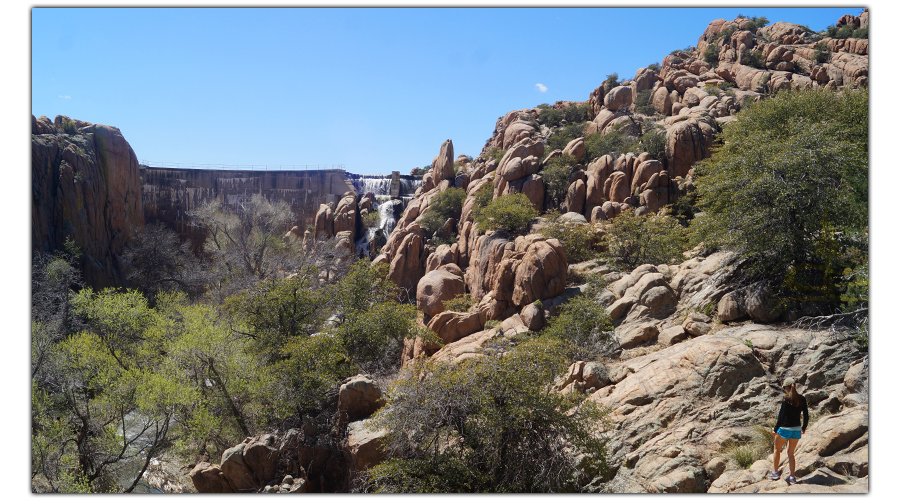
(251, 168)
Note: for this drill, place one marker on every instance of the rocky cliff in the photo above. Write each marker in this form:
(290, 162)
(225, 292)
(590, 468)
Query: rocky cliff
(86, 188)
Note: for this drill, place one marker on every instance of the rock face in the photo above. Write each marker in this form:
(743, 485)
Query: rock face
(86, 186)
(438, 286)
(358, 398)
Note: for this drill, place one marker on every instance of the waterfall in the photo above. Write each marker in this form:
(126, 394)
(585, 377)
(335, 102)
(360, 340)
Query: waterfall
(388, 209)
(387, 212)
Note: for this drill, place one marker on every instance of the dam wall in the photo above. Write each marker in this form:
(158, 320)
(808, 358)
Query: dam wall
(169, 194)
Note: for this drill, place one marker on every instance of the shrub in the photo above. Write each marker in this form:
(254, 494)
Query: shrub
(556, 178)
(789, 167)
(753, 58)
(726, 85)
(578, 240)
(371, 219)
(460, 303)
(418, 172)
(510, 213)
(496, 154)
(581, 322)
(489, 424)
(653, 142)
(445, 205)
(561, 137)
(643, 102)
(633, 240)
(862, 32)
(655, 66)
(614, 143)
(821, 54)
(611, 82)
(711, 55)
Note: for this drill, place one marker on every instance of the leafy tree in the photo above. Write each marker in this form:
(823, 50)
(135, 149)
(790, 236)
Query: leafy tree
(791, 167)
(613, 143)
(655, 66)
(578, 240)
(489, 424)
(643, 103)
(711, 54)
(556, 178)
(445, 205)
(611, 82)
(632, 240)
(582, 323)
(510, 213)
(562, 136)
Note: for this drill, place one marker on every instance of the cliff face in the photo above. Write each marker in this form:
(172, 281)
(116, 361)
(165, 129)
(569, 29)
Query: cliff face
(86, 187)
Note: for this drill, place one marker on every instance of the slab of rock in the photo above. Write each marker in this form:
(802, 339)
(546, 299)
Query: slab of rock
(438, 286)
(358, 398)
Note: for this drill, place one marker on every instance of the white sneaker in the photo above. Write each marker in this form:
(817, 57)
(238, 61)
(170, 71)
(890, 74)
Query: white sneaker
(774, 475)
(791, 480)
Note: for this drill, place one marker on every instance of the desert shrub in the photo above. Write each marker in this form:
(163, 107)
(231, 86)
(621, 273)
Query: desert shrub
(510, 213)
(460, 303)
(371, 219)
(582, 323)
(842, 32)
(862, 32)
(726, 85)
(578, 240)
(653, 142)
(445, 205)
(711, 55)
(561, 137)
(654, 67)
(633, 240)
(753, 58)
(418, 172)
(821, 54)
(489, 424)
(611, 82)
(556, 178)
(643, 102)
(614, 143)
(685, 207)
(724, 34)
(791, 175)
(496, 154)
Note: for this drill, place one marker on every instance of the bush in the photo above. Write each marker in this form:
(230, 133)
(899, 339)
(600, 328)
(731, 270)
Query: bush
(489, 424)
(655, 67)
(496, 154)
(460, 303)
(613, 143)
(556, 178)
(575, 113)
(611, 82)
(861, 32)
(510, 213)
(754, 59)
(371, 219)
(653, 142)
(822, 54)
(582, 323)
(711, 55)
(578, 240)
(445, 205)
(633, 240)
(790, 167)
(561, 137)
(643, 103)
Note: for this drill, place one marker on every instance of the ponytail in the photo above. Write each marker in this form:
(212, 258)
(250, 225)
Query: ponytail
(793, 397)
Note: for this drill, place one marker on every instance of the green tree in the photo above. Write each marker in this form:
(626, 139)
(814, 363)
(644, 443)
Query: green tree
(586, 327)
(445, 205)
(632, 240)
(489, 424)
(579, 240)
(510, 213)
(787, 166)
(556, 175)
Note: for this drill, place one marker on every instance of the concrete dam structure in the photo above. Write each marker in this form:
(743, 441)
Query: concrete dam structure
(169, 194)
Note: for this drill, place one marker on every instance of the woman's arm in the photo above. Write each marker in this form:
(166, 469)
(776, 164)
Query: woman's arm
(780, 417)
(805, 414)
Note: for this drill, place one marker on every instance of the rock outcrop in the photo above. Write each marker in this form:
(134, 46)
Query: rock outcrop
(86, 187)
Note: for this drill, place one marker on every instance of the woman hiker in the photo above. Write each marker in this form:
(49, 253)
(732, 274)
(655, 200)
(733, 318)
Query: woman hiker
(788, 428)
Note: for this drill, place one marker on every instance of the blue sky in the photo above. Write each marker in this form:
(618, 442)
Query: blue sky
(374, 89)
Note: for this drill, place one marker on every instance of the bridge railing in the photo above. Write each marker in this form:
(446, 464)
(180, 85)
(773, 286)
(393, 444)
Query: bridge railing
(224, 166)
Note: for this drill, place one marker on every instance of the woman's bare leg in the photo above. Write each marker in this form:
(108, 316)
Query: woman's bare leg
(779, 443)
(792, 445)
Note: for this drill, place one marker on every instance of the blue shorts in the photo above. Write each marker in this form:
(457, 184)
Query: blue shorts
(786, 434)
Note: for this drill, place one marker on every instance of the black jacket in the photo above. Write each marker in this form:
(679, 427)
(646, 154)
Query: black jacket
(789, 416)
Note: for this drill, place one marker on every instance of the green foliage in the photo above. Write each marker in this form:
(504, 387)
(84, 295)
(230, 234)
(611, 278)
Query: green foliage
(496, 154)
(653, 142)
(371, 219)
(578, 240)
(722, 35)
(787, 166)
(511, 213)
(845, 31)
(584, 325)
(556, 178)
(633, 240)
(711, 55)
(654, 67)
(613, 143)
(643, 103)
(68, 127)
(561, 137)
(862, 32)
(575, 113)
(489, 424)
(460, 303)
(483, 198)
(418, 172)
(753, 58)
(445, 205)
(726, 85)
(611, 82)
